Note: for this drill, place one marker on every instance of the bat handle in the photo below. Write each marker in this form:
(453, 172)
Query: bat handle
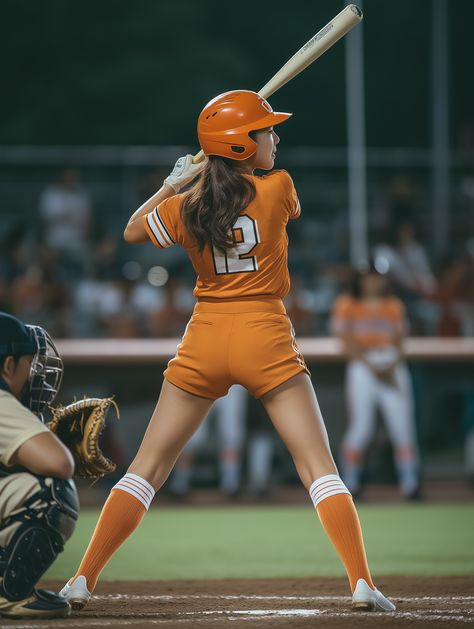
(198, 157)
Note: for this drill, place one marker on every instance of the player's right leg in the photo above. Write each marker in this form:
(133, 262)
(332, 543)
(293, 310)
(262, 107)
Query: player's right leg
(294, 411)
(176, 417)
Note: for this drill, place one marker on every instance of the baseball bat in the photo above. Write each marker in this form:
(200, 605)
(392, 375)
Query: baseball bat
(339, 26)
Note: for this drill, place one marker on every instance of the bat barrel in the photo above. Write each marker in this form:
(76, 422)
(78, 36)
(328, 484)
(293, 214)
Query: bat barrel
(339, 26)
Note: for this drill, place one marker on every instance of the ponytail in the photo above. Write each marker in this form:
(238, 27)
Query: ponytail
(211, 208)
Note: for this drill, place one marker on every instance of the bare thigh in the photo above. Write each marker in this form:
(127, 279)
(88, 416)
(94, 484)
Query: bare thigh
(176, 416)
(294, 411)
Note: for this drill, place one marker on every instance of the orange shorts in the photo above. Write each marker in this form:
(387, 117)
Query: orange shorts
(248, 341)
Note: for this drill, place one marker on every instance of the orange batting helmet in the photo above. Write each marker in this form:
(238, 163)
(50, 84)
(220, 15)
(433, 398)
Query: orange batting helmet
(225, 122)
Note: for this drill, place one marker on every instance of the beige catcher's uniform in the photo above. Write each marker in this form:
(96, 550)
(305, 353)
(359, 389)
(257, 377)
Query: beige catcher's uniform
(17, 425)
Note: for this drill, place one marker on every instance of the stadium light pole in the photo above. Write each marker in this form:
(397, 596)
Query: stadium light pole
(440, 126)
(356, 145)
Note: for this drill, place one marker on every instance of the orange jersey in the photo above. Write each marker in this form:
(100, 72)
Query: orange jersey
(257, 265)
(370, 325)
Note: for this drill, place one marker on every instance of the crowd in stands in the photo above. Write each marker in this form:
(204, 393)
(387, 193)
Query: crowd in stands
(62, 274)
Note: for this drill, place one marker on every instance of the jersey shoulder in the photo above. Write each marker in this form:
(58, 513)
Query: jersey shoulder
(282, 183)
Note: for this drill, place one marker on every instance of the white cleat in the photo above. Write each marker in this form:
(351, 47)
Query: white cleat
(365, 598)
(76, 594)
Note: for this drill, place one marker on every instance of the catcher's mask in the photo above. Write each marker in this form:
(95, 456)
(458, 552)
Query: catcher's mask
(45, 375)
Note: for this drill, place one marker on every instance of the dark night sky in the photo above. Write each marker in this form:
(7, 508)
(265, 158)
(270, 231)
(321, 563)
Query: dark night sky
(116, 72)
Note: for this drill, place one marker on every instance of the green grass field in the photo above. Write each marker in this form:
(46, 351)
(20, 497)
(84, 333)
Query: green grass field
(240, 542)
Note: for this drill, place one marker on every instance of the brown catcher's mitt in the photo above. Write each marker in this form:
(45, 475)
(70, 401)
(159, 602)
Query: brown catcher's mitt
(79, 426)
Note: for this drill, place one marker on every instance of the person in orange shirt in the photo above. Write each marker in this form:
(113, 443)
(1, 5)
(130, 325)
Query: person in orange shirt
(232, 224)
(371, 324)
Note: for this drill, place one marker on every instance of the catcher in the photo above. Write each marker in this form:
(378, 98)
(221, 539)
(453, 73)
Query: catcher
(38, 500)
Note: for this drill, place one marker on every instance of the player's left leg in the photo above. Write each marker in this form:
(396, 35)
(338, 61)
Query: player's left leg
(176, 417)
(294, 411)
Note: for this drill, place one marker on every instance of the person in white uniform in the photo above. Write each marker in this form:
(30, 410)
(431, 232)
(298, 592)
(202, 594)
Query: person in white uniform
(371, 325)
(38, 500)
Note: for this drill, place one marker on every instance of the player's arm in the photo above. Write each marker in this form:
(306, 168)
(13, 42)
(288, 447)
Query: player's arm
(135, 231)
(45, 455)
(183, 173)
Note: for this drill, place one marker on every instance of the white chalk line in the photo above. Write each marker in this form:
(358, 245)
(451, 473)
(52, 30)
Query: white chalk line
(256, 597)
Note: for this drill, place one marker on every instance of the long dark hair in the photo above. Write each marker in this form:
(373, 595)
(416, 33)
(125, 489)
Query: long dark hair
(211, 207)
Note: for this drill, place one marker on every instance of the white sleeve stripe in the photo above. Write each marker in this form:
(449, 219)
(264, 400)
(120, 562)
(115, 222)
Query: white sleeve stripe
(160, 226)
(150, 225)
(164, 226)
(156, 232)
(297, 210)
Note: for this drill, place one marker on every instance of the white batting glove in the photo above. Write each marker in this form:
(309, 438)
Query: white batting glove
(184, 172)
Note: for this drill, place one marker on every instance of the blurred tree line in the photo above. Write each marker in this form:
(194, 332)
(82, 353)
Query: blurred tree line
(117, 72)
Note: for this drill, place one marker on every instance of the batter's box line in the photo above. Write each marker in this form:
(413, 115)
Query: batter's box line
(256, 597)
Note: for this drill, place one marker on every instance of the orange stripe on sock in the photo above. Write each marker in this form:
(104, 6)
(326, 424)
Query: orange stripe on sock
(339, 518)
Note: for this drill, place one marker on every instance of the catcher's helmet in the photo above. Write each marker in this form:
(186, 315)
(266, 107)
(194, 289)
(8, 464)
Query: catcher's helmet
(16, 338)
(225, 122)
(19, 339)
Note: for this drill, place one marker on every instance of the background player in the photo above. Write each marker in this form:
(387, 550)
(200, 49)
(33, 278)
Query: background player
(371, 324)
(233, 227)
(38, 501)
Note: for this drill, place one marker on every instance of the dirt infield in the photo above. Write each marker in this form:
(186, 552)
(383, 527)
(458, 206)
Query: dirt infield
(437, 602)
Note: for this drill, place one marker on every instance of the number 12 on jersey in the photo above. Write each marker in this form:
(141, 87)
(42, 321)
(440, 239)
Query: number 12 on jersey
(237, 258)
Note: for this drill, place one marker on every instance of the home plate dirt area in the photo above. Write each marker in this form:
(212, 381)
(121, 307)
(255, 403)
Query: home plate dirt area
(433, 602)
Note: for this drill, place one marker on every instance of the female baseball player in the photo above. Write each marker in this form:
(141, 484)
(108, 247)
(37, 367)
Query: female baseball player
(371, 324)
(232, 224)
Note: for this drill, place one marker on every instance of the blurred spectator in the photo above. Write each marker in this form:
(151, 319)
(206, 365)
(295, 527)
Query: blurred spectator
(299, 306)
(66, 215)
(171, 317)
(13, 262)
(230, 415)
(370, 323)
(456, 295)
(40, 293)
(406, 261)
